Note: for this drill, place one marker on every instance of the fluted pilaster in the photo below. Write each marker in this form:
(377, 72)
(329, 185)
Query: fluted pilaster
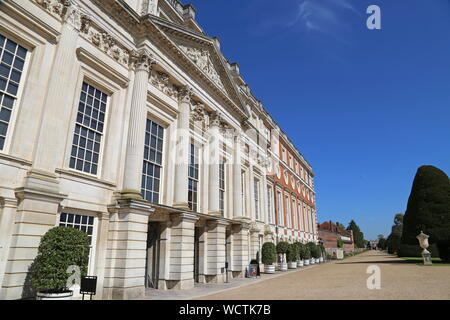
(214, 160)
(182, 149)
(238, 211)
(142, 62)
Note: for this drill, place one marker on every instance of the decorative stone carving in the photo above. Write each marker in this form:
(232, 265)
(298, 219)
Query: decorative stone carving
(98, 37)
(58, 7)
(215, 119)
(198, 112)
(185, 94)
(161, 81)
(202, 59)
(141, 59)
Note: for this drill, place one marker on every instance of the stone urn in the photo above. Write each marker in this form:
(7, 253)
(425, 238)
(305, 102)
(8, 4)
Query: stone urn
(306, 262)
(299, 263)
(293, 265)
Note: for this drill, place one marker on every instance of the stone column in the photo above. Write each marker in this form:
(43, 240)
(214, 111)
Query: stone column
(101, 252)
(264, 199)
(181, 156)
(48, 153)
(254, 241)
(214, 160)
(127, 250)
(142, 61)
(182, 251)
(8, 208)
(240, 249)
(216, 251)
(164, 254)
(238, 212)
(251, 192)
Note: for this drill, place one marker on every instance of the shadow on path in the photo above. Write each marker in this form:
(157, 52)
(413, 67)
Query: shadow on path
(380, 261)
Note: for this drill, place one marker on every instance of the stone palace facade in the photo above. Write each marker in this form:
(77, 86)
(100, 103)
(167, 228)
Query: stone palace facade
(123, 119)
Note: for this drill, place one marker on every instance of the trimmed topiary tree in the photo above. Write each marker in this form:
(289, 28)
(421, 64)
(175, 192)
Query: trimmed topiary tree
(297, 249)
(291, 253)
(59, 248)
(428, 210)
(313, 250)
(307, 252)
(282, 247)
(269, 253)
(301, 251)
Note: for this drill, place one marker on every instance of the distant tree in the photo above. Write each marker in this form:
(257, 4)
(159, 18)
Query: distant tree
(428, 210)
(381, 242)
(393, 240)
(358, 236)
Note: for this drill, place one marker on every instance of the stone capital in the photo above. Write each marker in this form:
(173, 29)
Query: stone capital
(215, 119)
(142, 60)
(198, 112)
(185, 94)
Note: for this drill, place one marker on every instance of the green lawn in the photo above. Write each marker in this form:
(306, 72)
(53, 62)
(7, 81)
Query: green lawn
(436, 261)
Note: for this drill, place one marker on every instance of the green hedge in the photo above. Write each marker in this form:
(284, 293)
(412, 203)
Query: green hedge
(409, 250)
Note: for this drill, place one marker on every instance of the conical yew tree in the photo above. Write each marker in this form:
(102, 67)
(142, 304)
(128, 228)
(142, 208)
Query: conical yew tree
(428, 210)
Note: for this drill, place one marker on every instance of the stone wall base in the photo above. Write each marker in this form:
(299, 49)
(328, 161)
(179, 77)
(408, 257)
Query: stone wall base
(217, 278)
(134, 293)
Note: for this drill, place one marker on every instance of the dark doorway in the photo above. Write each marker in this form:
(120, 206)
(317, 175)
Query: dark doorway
(197, 235)
(227, 254)
(153, 246)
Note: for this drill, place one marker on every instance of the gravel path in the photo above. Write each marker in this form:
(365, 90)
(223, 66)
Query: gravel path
(347, 279)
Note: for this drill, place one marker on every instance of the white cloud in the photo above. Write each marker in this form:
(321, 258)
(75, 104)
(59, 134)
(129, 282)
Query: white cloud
(325, 16)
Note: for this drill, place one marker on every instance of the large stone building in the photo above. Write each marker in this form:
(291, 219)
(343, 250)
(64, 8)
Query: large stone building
(124, 120)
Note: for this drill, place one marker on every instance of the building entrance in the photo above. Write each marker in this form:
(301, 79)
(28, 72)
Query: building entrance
(153, 250)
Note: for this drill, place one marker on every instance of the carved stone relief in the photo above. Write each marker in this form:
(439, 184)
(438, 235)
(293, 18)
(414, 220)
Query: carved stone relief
(161, 81)
(202, 59)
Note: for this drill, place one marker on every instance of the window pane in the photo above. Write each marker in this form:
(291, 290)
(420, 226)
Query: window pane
(91, 127)
(9, 81)
(152, 165)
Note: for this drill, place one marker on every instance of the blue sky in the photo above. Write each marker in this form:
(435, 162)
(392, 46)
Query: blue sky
(365, 107)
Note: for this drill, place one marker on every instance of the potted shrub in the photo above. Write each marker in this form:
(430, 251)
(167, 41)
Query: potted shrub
(316, 253)
(291, 255)
(307, 255)
(312, 249)
(282, 248)
(301, 254)
(59, 248)
(269, 256)
(322, 254)
(297, 249)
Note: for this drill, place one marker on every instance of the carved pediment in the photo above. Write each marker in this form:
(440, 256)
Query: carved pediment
(202, 59)
(205, 55)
